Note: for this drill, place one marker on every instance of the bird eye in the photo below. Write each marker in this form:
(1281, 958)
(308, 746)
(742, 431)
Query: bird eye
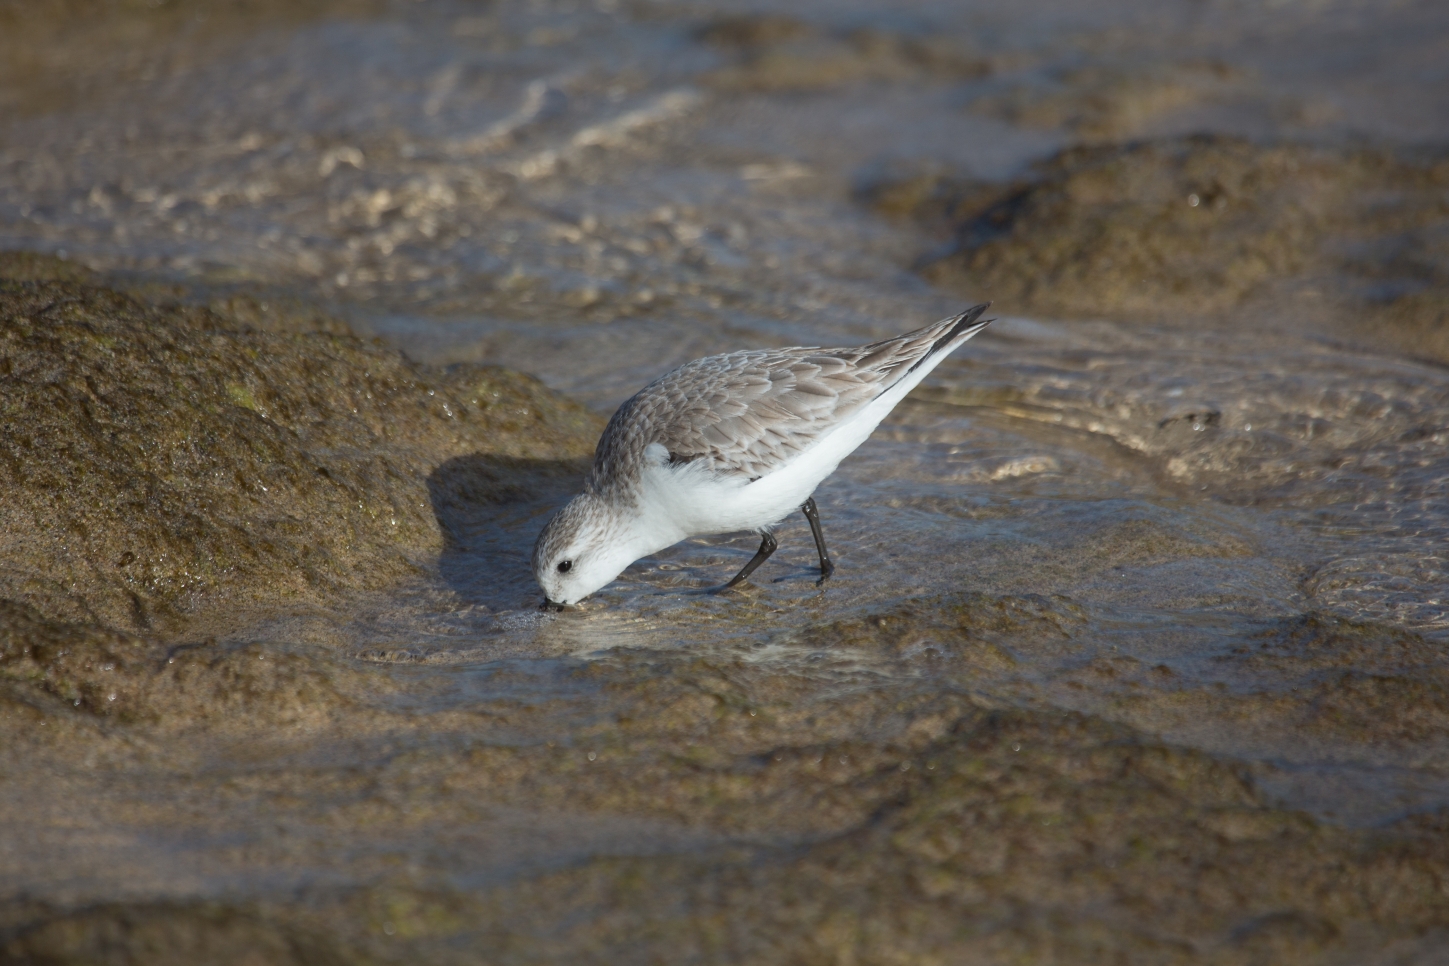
(565, 566)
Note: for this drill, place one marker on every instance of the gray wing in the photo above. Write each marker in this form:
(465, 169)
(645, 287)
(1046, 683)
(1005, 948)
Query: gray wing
(747, 413)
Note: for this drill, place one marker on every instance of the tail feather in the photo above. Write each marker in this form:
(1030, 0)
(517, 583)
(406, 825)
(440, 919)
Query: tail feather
(963, 327)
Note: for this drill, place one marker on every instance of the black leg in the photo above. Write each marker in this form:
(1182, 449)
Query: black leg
(813, 515)
(767, 547)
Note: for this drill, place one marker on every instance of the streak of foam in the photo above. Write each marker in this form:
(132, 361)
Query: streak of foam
(613, 133)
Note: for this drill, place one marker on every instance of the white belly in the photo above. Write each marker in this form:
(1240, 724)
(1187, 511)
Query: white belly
(686, 501)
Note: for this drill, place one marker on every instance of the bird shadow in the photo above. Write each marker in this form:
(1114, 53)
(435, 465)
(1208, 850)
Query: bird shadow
(490, 509)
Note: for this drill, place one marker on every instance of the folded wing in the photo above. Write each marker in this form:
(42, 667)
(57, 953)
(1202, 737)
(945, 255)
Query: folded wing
(744, 414)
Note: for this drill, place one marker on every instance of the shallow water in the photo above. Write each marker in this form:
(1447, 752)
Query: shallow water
(1155, 526)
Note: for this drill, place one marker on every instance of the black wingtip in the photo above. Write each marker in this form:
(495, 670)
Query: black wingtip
(965, 326)
(967, 320)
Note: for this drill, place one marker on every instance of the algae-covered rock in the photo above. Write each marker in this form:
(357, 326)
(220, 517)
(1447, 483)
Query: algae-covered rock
(1111, 102)
(35, 267)
(86, 665)
(1198, 227)
(229, 307)
(1418, 319)
(1314, 643)
(976, 629)
(158, 461)
(163, 934)
(789, 818)
(1013, 836)
(135, 678)
(1361, 682)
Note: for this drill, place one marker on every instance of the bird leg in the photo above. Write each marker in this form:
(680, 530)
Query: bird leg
(813, 515)
(767, 547)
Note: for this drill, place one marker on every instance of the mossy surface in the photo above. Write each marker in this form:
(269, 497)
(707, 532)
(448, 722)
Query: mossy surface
(161, 463)
(1200, 227)
(1005, 836)
(156, 460)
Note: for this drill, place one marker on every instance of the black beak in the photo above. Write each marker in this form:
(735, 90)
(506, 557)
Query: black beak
(548, 605)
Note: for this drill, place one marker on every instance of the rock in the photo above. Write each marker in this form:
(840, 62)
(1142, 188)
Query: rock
(1202, 227)
(159, 463)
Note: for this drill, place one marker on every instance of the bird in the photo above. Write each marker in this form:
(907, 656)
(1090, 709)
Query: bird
(728, 443)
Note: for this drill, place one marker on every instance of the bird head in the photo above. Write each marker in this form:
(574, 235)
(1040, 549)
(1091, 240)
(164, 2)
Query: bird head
(579, 551)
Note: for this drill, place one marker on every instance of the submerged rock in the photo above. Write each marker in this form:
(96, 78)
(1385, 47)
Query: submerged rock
(86, 665)
(975, 630)
(161, 934)
(1003, 836)
(1110, 102)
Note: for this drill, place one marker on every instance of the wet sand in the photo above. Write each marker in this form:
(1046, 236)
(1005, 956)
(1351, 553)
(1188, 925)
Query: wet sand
(1136, 649)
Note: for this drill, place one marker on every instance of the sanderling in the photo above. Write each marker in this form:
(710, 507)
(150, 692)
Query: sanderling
(730, 442)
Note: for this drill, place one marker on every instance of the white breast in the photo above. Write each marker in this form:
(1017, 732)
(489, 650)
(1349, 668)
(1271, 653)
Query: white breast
(687, 500)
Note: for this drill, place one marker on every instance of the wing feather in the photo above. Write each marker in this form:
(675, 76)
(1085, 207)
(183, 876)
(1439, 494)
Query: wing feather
(746, 413)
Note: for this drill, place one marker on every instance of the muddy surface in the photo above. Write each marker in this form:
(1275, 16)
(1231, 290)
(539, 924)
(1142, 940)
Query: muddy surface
(1137, 649)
